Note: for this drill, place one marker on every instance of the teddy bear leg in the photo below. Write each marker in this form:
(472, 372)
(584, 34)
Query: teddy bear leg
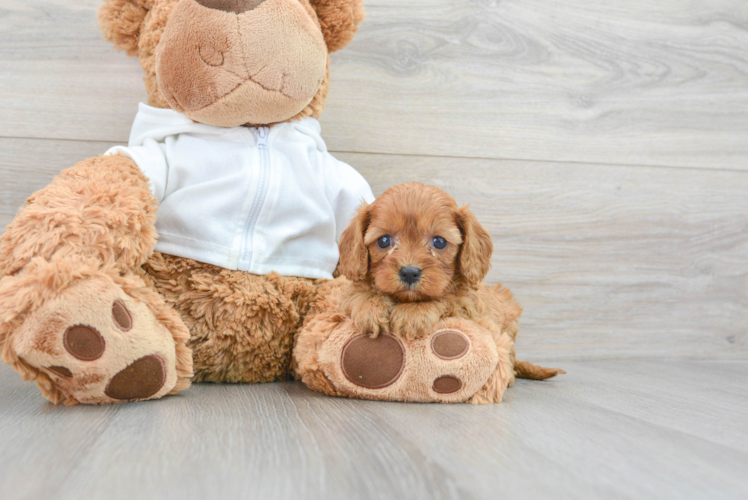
(75, 316)
(457, 361)
(242, 325)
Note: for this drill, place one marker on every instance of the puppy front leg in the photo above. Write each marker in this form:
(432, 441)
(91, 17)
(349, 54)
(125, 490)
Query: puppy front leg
(412, 320)
(370, 312)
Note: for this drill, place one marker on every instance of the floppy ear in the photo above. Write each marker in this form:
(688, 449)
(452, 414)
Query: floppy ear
(354, 254)
(120, 22)
(475, 252)
(339, 20)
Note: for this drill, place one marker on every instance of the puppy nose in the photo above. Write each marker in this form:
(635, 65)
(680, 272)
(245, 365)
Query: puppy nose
(410, 274)
(235, 6)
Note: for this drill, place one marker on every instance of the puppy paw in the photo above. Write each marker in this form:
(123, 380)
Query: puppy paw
(97, 344)
(450, 364)
(369, 312)
(371, 322)
(414, 320)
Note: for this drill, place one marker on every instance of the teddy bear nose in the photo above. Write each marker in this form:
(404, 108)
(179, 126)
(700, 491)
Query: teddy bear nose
(235, 6)
(410, 274)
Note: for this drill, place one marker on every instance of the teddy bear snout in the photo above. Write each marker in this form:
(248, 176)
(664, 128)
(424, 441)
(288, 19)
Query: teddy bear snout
(226, 69)
(235, 6)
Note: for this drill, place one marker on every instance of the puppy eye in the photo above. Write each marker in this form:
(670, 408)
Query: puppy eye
(440, 243)
(384, 241)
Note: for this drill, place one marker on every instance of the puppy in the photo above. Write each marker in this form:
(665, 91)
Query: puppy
(414, 257)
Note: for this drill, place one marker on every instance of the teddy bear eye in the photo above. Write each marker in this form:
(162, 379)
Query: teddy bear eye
(384, 241)
(439, 243)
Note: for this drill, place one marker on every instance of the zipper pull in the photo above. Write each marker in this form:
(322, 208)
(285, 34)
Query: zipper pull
(262, 137)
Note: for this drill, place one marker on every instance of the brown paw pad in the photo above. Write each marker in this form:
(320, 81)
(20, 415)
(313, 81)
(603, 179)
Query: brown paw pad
(61, 371)
(373, 363)
(141, 380)
(121, 315)
(449, 344)
(84, 342)
(447, 384)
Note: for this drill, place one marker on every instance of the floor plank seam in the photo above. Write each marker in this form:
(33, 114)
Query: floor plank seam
(456, 157)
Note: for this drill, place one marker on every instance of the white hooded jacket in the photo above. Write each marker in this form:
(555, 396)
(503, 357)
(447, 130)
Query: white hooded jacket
(255, 199)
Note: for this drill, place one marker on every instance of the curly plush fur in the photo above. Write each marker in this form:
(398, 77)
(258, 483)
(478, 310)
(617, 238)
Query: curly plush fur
(242, 325)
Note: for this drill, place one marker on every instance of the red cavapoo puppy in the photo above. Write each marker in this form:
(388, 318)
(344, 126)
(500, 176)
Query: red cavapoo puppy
(415, 322)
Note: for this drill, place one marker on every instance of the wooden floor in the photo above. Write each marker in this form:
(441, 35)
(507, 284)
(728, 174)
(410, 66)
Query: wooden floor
(609, 429)
(604, 145)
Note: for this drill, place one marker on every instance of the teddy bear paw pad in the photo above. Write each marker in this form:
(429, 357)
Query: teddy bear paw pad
(99, 345)
(61, 371)
(449, 344)
(447, 384)
(373, 363)
(141, 380)
(83, 342)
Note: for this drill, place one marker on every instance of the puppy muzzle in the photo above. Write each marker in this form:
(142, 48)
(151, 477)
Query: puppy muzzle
(410, 275)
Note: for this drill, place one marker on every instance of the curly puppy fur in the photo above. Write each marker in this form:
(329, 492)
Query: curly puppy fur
(415, 226)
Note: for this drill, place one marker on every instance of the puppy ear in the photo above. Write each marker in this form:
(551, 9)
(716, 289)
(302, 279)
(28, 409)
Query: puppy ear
(354, 254)
(120, 22)
(474, 259)
(339, 20)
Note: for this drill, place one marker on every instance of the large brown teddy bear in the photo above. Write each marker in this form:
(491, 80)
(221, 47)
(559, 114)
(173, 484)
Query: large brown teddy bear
(249, 202)
(205, 249)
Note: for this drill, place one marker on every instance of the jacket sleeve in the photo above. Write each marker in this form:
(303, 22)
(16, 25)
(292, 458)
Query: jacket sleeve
(151, 160)
(346, 190)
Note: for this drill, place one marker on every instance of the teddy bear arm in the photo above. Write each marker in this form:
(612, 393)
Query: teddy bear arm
(101, 208)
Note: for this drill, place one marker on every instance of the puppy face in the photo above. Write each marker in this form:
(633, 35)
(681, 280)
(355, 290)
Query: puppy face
(413, 243)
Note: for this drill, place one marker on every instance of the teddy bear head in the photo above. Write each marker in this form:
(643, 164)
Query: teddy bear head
(234, 62)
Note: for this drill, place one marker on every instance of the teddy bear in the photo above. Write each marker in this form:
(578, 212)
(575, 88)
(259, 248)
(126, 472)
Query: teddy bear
(193, 253)
(206, 250)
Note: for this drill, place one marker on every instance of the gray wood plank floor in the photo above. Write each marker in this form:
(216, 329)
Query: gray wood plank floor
(609, 429)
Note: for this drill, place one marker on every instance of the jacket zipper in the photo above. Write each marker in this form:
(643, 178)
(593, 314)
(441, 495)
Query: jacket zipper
(261, 134)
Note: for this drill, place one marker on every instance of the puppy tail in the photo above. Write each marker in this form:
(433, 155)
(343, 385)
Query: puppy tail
(524, 369)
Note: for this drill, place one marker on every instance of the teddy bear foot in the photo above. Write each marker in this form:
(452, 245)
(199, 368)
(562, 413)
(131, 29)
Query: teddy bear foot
(97, 344)
(451, 365)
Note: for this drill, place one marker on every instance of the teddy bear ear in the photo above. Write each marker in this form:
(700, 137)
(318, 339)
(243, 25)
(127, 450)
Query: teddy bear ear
(339, 20)
(120, 22)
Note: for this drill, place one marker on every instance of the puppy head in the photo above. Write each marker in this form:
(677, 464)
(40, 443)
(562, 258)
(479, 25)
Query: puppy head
(413, 243)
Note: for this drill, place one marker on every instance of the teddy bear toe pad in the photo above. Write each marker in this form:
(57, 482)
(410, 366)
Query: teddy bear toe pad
(83, 342)
(448, 366)
(373, 363)
(100, 345)
(447, 384)
(449, 344)
(140, 380)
